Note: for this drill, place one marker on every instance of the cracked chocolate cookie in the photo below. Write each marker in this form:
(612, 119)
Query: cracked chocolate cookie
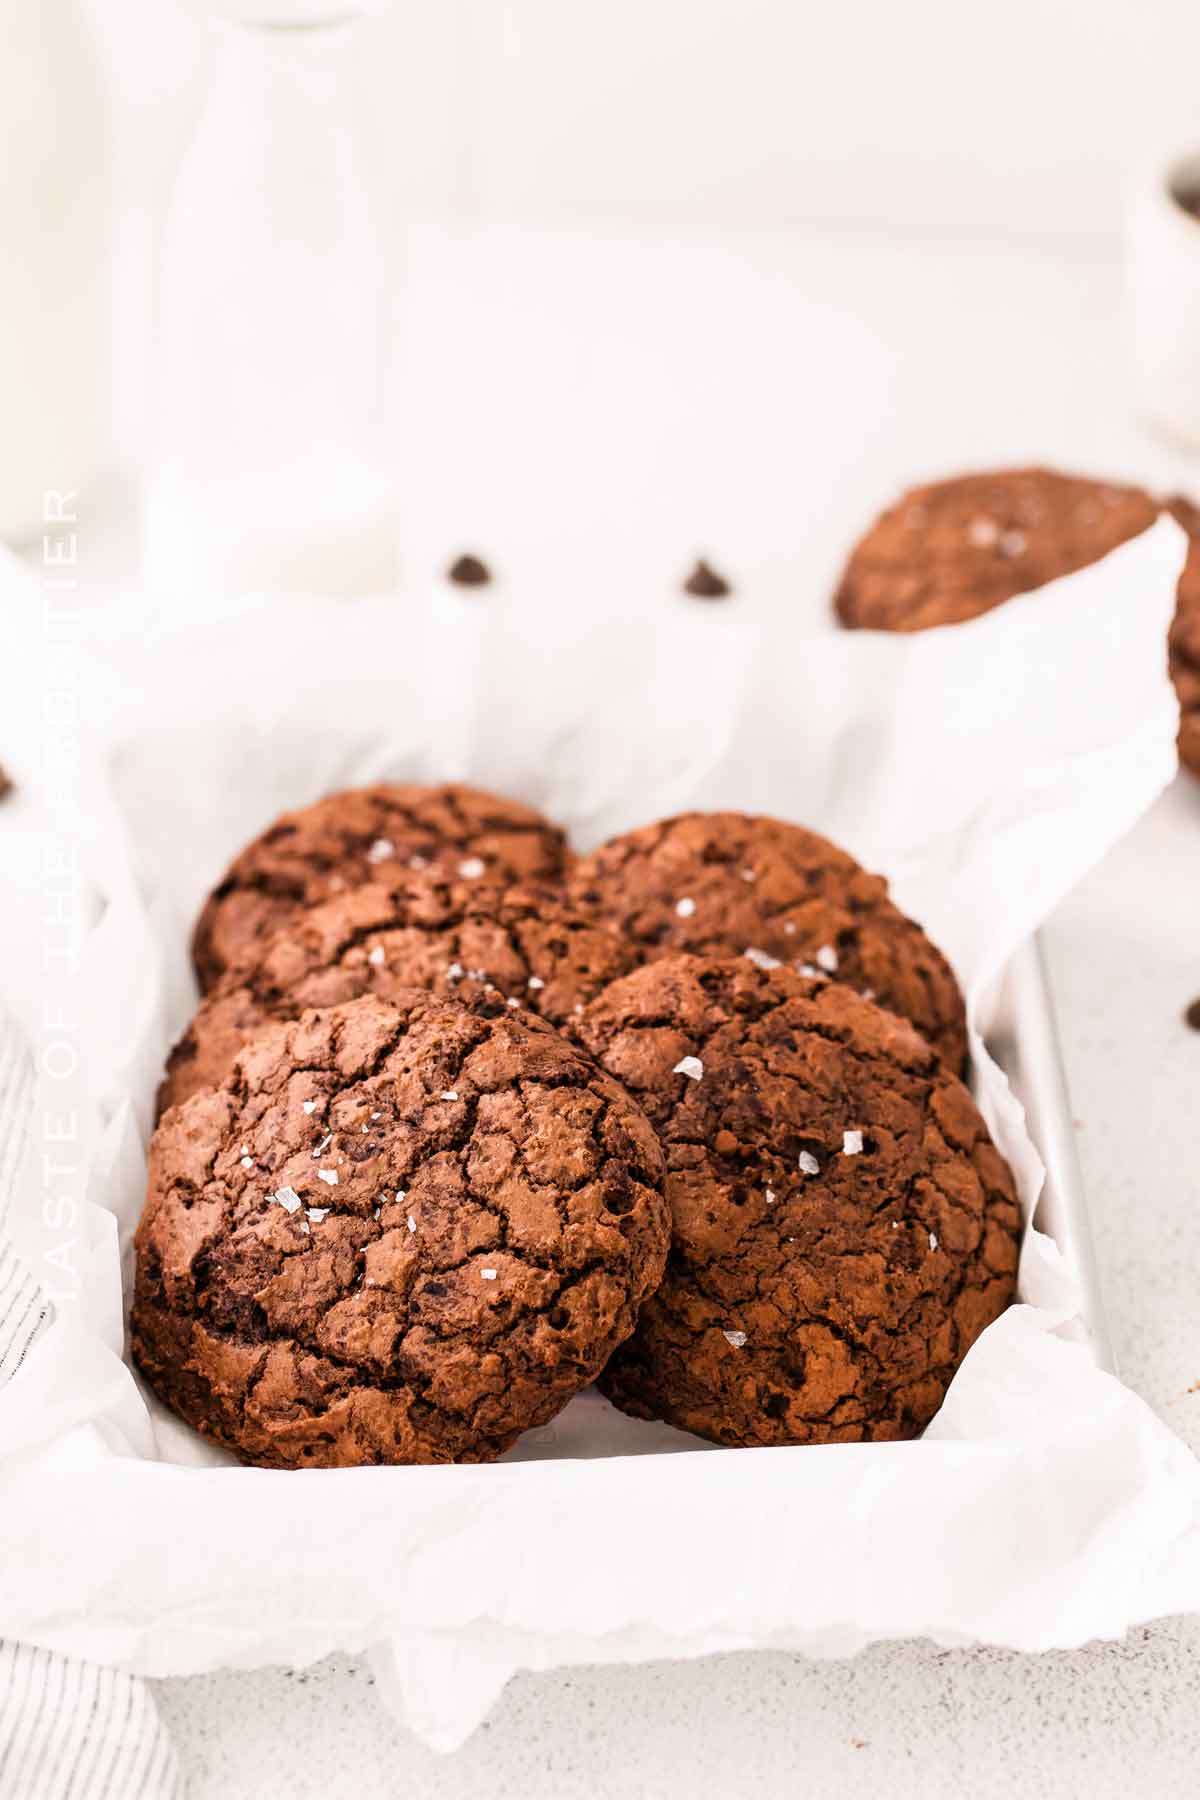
(397, 1233)
(1183, 645)
(347, 838)
(408, 931)
(843, 1227)
(734, 884)
(955, 549)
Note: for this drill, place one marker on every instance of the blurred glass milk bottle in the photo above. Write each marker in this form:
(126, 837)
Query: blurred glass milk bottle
(55, 244)
(271, 467)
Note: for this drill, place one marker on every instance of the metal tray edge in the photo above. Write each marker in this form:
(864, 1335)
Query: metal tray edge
(1023, 1038)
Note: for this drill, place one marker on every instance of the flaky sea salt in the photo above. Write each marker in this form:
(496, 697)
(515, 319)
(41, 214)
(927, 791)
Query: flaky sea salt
(808, 1163)
(827, 959)
(691, 1066)
(487, 1274)
(247, 1162)
(329, 1176)
(288, 1198)
(449, 1093)
(310, 1106)
(455, 971)
(471, 868)
(685, 907)
(933, 1240)
(735, 1338)
(749, 875)
(760, 959)
(412, 1223)
(376, 957)
(769, 1196)
(380, 850)
(535, 982)
(852, 1143)
(317, 1213)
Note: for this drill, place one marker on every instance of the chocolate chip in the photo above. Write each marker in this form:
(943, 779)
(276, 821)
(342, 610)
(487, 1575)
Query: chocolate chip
(6, 785)
(469, 571)
(705, 584)
(1191, 1015)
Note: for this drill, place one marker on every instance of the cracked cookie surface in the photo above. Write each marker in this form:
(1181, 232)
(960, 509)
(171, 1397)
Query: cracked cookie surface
(952, 550)
(409, 931)
(735, 883)
(398, 1232)
(347, 838)
(843, 1227)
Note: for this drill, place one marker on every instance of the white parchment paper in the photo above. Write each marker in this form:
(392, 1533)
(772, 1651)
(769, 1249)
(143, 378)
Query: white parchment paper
(983, 768)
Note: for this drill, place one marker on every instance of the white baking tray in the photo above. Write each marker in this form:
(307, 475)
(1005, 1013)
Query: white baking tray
(1022, 1036)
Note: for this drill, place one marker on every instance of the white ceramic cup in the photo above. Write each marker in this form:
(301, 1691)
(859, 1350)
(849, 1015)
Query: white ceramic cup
(1163, 241)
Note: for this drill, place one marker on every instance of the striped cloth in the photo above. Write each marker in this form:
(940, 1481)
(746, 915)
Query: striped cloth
(68, 1730)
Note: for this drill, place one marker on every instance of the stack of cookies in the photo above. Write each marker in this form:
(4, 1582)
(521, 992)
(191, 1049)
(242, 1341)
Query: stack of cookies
(464, 1123)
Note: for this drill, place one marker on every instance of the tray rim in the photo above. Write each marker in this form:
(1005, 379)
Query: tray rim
(1023, 1038)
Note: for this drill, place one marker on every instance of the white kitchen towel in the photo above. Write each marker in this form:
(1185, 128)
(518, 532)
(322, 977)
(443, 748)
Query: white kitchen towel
(67, 1728)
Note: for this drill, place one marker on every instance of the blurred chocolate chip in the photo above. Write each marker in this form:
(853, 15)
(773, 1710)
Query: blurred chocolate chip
(1191, 1015)
(468, 571)
(705, 584)
(6, 785)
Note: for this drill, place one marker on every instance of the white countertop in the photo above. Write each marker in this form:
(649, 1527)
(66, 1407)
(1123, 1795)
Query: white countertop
(990, 356)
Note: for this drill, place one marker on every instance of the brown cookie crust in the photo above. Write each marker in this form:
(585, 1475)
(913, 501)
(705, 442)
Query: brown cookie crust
(494, 1220)
(350, 837)
(842, 1226)
(955, 549)
(728, 883)
(1183, 644)
(408, 931)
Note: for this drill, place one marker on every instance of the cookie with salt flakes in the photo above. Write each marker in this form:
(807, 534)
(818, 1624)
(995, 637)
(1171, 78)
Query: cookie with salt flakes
(407, 930)
(949, 551)
(744, 885)
(397, 1232)
(345, 839)
(842, 1226)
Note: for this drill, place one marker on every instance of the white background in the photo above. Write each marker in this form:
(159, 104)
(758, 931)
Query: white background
(932, 121)
(949, 117)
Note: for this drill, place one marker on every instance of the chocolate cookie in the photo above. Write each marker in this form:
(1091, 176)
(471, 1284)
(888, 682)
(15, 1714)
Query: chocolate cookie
(348, 838)
(955, 549)
(729, 883)
(397, 1233)
(842, 1226)
(1184, 642)
(408, 931)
